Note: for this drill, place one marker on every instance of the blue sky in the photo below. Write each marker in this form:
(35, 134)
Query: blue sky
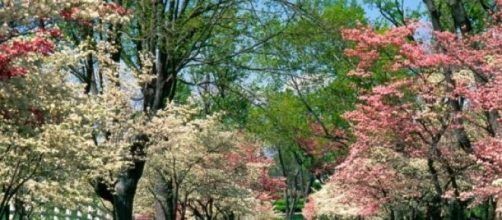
(373, 13)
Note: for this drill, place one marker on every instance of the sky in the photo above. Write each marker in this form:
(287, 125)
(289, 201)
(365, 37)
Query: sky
(374, 14)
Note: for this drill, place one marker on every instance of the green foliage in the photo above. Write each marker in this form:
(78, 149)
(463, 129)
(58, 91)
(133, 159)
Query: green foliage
(183, 92)
(308, 87)
(311, 48)
(280, 205)
(478, 16)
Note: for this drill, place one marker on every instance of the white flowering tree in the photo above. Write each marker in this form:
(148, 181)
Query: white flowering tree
(62, 140)
(214, 173)
(48, 125)
(55, 138)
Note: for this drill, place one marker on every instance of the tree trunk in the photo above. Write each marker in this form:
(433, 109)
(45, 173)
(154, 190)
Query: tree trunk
(493, 124)
(489, 206)
(125, 189)
(460, 18)
(123, 205)
(392, 214)
(434, 207)
(456, 209)
(433, 211)
(461, 21)
(122, 196)
(434, 14)
(167, 199)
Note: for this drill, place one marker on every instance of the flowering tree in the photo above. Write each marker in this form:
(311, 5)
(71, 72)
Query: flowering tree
(437, 113)
(55, 135)
(112, 66)
(214, 173)
(47, 123)
(178, 35)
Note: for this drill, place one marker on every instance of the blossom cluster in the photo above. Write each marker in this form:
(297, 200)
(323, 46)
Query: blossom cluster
(431, 131)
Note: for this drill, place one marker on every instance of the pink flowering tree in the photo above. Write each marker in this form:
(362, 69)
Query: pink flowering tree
(430, 134)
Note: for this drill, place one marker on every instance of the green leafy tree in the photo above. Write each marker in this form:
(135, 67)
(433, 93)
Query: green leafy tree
(297, 111)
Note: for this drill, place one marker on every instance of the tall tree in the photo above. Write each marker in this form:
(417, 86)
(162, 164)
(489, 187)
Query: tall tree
(177, 35)
(424, 117)
(47, 124)
(307, 68)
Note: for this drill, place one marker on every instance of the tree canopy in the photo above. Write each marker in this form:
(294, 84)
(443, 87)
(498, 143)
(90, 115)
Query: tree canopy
(251, 109)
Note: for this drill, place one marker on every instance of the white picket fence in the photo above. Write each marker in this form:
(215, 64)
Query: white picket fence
(88, 213)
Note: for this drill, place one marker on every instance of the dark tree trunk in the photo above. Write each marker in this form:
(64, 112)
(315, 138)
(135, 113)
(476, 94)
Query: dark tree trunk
(434, 14)
(456, 209)
(163, 88)
(392, 214)
(434, 207)
(460, 19)
(165, 206)
(90, 84)
(433, 211)
(123, 205)
(124, 190)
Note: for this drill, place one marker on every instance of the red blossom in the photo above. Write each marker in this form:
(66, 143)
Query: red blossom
(233, 160)
(69, 13)
(271, 185)
(116, 8)
(50, 32)
(309, 209)
(9, 52)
